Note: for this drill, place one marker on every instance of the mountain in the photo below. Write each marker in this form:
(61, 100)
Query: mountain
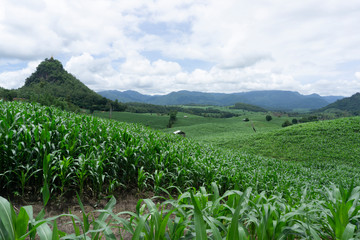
(331, 99)
(126, 96)
(272, 99)
(349, 104)
(51, 84)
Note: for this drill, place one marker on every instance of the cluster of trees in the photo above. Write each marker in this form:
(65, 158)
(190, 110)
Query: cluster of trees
(248, 107)
(7, 94)
(172, 119)
(311, 118)
(135, 107)
(161, 109)
(209, 112)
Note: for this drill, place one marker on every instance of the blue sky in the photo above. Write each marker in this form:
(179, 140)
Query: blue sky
(160, 46)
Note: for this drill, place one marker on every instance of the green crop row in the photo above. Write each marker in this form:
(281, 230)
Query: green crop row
(201, 215)
(66, 152)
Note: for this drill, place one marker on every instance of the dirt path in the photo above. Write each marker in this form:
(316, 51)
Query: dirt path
(124, 202)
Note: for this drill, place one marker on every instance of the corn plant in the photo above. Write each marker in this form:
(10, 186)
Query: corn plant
(342, 212)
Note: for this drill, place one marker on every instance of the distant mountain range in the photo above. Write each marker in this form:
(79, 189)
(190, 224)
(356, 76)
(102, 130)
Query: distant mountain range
(271, 100)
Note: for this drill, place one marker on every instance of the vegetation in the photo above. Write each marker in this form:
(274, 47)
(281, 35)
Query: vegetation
(286, 123)
(248, 107)
(321, 142)
(172, 119)
(220, 193)
(203, 215)
(51, 85)
(195, 110)
(350, 104)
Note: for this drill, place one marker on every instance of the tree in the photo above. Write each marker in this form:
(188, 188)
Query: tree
(268, 118)
(294, 121)
(172, 118)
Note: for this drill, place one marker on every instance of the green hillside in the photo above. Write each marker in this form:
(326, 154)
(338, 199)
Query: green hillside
(325, 141)
(350, 104)
(51, 84)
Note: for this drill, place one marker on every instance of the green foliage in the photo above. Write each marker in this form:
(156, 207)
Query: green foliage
(286, 123)
(8, 95)
(45, 149)
(79, 153)
(159, 109)
(248, 107)
(204, 215)
(268, 118)
(311, 118)
(172, 119)
(350, 104)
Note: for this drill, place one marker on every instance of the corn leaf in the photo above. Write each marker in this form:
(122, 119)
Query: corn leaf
(7, 229)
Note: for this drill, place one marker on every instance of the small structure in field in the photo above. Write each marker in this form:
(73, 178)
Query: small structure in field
(179, 132)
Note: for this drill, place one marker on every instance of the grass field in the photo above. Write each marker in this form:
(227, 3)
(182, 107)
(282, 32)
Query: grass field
(325, 141)
(222, 193)
(223, 132)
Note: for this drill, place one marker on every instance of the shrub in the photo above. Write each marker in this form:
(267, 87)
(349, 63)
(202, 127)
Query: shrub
(286, 123)
(268, 118)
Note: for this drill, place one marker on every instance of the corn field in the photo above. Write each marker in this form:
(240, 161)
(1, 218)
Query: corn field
(55, 153)
(202, 215)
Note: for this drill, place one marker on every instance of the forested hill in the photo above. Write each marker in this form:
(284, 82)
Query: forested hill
(51, 84)
(272, 100)
(350, 104)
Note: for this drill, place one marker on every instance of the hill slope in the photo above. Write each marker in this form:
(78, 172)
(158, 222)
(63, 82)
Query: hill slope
(279, 100)
(350, 104)
(333, 140)
(52, 84)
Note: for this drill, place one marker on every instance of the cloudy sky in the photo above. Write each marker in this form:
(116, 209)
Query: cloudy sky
(159, 46)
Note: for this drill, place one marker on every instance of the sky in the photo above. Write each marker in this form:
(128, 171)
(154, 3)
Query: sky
(160, 46)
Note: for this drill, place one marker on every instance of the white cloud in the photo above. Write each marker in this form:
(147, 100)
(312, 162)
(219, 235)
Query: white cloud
(289, 45)
(16, 79)
(357, 74)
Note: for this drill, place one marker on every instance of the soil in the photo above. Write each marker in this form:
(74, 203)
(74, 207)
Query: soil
(125, 201)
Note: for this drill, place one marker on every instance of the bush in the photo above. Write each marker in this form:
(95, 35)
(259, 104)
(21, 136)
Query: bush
(268, 118)
(286, 123)
(294, 121)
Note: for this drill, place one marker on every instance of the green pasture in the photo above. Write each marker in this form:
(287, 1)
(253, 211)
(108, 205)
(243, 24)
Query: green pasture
(204, 129)
(325, 141)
